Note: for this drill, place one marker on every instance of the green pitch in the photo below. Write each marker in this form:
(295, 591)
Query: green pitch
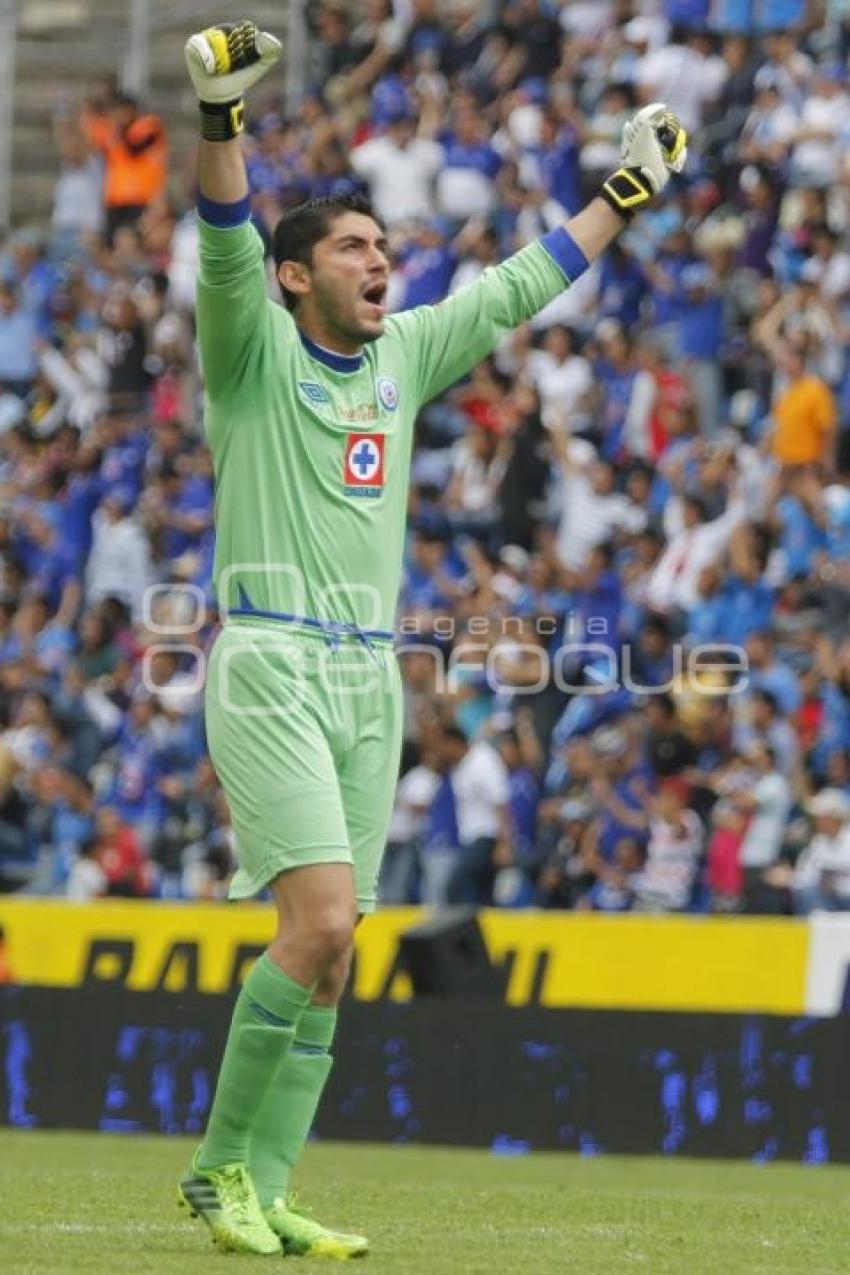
(105, 1205)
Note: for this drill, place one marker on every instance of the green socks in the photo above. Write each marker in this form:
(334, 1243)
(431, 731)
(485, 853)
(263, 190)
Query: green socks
(282, 1124)
(261, 1032)
(275, 1067)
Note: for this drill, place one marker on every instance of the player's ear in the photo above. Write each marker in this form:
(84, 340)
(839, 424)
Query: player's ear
(294, 276)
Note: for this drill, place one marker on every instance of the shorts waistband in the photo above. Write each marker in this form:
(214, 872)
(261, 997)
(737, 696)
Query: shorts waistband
(333, 631)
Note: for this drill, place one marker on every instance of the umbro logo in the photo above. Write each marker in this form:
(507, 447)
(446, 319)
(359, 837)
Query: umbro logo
(314, 393)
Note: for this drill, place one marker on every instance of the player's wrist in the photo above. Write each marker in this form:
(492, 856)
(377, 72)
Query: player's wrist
(626, 191)
(222, 121)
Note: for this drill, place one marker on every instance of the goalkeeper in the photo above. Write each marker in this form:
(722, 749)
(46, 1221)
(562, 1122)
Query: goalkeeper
(310, 409)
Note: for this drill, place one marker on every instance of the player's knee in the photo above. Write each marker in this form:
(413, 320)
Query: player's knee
(331, 935)
(331, 986)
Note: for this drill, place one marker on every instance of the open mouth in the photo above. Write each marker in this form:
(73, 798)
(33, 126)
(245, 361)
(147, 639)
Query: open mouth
(376, 295)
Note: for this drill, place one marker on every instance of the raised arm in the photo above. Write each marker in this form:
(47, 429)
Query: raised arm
(221, 171)
(449, 339)
(232, 308)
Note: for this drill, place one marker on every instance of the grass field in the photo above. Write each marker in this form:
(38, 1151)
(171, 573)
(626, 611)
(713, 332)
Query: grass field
(105, 1205)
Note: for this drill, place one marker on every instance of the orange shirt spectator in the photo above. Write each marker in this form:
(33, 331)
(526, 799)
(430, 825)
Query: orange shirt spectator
(135, 153)
(805, 417)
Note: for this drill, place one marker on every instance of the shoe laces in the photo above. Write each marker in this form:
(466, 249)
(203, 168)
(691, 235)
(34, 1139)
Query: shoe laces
(239, 1194)
(290, 1203)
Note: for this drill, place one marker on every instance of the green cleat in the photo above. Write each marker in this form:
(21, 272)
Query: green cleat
(302, 1236)
(226, 1200)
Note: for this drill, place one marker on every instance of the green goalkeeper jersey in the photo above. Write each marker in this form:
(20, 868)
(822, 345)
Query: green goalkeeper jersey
(312, 449)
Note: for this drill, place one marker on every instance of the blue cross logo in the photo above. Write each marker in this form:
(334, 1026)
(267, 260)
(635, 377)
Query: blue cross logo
(365, 459)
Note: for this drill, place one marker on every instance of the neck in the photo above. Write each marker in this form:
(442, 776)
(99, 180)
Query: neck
(320, 334)
(331, 358)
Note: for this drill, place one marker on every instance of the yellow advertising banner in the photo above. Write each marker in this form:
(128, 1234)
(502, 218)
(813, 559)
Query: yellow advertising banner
(557, 960)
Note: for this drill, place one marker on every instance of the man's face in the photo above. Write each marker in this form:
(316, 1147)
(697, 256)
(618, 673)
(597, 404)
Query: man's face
(669, 805)
(466, 126)
(402, 131)
(452, 751)
(347, 281)
(429, 554)
(692, 514)
(761, 715)
(602, 478)
(637, 487)
(758, 651)
(653, 643)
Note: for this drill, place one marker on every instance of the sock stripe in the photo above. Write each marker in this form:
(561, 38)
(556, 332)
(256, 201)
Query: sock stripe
(316, 1027)
(266, 1016)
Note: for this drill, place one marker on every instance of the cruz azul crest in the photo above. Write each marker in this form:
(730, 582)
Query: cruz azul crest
(364, 465)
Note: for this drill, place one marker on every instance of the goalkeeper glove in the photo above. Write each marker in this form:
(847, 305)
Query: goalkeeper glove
(223, 62)
(654, 146)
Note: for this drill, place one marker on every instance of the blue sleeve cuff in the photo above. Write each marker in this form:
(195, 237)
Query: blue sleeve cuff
(224, 216)
(565, 252)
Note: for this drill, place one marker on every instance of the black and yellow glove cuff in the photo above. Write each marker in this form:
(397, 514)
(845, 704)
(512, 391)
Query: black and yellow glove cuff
(220, 121)
(626, 191)
(672, 138)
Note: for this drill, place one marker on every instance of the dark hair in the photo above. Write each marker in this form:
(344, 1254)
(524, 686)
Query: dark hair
(300, 229)
(657, 624)
(605, 550)
(697, 503)
(768, 699)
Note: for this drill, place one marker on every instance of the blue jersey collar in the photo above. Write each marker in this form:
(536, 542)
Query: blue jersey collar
(336, 362)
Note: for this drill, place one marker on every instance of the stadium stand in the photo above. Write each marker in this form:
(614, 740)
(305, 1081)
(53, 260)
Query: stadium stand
(623, 617)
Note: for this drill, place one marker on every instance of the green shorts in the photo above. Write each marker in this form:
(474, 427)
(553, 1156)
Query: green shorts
(305, 738)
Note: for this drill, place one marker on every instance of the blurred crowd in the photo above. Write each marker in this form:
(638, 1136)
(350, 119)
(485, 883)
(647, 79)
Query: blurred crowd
(622, 626)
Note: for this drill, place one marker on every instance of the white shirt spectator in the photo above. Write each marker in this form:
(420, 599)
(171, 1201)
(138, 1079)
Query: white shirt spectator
(185, 263)
(414, 794)
(672, 856)
(561, 385)
(770, 126)
(86, 880)
(469, 271)
(587, 19)
(765, 833)
(465, 192)
(26, 745)
(603, 149)
(819, 157)
(119, 564)
(523, 128)
(80, 384)
(791, 75)
(825, 854)
(78, 199)
(181, 693)
(475, 480)
(481, 788)
(401, 178)
(780, 736)
(590, 519)
(676, 576)
(832, 276)
(683, 78)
